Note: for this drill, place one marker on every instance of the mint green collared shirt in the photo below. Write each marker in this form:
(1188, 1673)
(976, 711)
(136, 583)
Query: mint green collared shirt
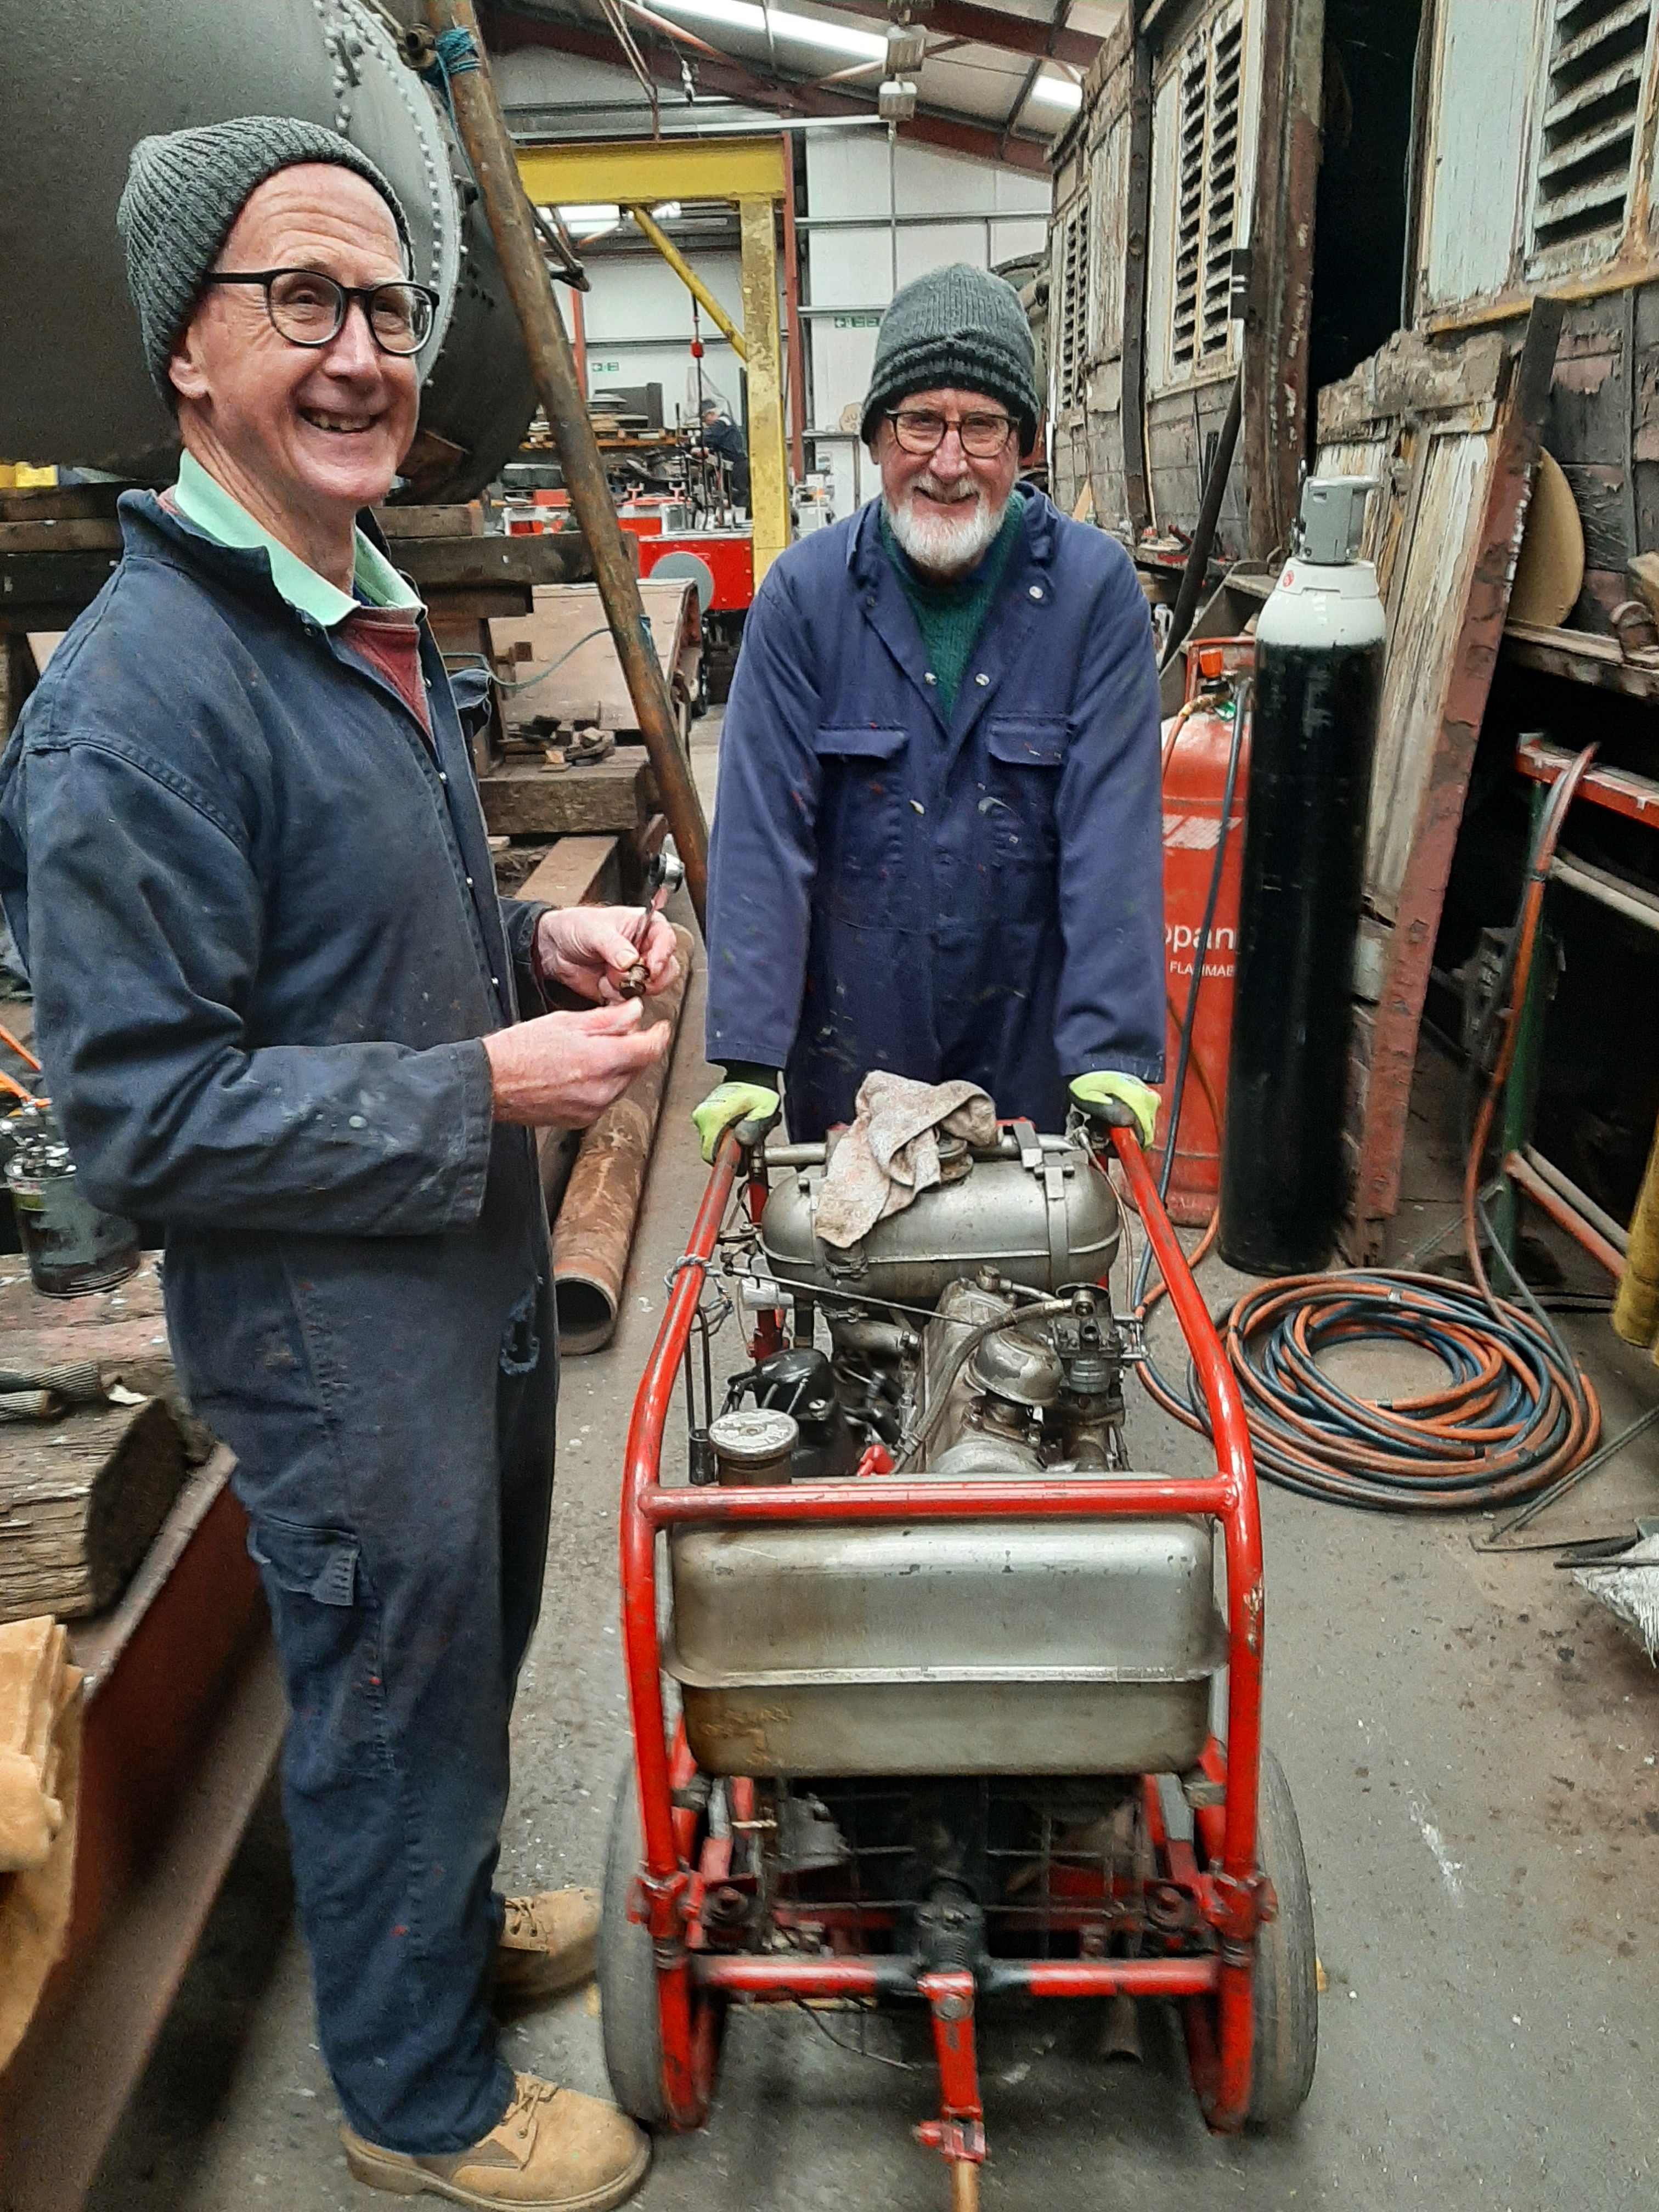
(204, 501)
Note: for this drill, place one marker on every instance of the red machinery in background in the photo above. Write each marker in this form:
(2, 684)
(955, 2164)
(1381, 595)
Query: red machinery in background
(722, 563)
(1204, 748)
(728, 555)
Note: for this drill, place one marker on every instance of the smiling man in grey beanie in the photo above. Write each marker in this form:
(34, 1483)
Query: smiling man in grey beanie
(280, 1005)
(937, 844)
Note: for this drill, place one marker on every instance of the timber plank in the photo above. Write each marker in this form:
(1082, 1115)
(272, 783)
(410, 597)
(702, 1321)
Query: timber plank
(1443, 643)
(50, 535)
(455, 521)
(37, 587)
(59, 502)
(523, 798)
(1583, 658)
(81, 1500)
(473, 564)
(577, 871)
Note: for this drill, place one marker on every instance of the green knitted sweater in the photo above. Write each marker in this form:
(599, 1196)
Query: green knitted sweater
(950, 616)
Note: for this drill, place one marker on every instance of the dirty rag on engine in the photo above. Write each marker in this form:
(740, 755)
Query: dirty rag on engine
(890, 1152)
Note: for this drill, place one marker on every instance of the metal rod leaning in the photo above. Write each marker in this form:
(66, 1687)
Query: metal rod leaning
(490, 149)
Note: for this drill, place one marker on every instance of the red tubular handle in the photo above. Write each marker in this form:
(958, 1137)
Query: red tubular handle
(663, 1880)
(1241, 1523)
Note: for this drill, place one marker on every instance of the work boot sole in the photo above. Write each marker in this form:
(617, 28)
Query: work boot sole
(379, 2170)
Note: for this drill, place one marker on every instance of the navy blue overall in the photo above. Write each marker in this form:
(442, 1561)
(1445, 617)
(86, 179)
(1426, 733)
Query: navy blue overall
(982, 898)
(258, 912)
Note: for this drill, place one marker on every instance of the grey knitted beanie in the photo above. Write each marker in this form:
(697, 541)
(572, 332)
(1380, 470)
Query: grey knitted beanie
(183, 192)
(957, 327)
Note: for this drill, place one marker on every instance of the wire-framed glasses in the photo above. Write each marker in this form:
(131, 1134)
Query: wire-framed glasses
(920, 430)
(309, 309)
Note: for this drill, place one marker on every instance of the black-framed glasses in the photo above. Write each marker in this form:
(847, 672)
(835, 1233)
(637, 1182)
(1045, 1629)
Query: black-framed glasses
(920, 430)
(309, 309)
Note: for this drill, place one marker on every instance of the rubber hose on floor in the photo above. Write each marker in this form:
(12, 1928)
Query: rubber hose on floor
(1516, 1410)
(1511, 1415)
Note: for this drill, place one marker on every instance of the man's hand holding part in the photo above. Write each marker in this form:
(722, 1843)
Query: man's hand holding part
(588, 950)
(561, 1071)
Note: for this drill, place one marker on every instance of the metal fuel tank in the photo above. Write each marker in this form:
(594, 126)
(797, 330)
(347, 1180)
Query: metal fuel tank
(1320, 645)
(84, 80)
(1038, 1208)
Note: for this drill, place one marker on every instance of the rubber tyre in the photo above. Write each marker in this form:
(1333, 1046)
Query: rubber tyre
(628, 1972)
(1286, 1965)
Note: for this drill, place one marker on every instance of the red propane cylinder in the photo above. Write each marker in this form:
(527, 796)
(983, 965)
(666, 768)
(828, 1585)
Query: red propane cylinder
(1197, 743)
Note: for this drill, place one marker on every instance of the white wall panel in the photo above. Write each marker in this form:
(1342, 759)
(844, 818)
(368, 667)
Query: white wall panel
(986, 214)
(1484, 62)
(1160, 244)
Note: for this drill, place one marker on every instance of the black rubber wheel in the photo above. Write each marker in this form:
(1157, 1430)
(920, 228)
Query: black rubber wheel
(1286, 1966)
(628, 1972)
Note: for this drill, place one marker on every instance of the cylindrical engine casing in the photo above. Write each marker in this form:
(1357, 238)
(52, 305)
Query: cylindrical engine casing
(1042, 1226)
(84, 80)
(1195, 784)
(1320, 646)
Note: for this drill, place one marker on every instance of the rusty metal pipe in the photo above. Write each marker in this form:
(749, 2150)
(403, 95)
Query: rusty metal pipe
(1564, 1215)
(490, 151)
(594, 1230)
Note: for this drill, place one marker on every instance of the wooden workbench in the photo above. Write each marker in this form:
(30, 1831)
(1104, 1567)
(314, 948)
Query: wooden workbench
(184, 1718)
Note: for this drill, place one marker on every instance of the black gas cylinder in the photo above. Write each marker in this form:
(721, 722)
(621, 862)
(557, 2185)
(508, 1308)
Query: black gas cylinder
(1318, 684)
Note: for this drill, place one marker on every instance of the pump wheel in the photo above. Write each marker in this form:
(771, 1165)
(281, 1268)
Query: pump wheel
(627, 1971)
(1286, 1969)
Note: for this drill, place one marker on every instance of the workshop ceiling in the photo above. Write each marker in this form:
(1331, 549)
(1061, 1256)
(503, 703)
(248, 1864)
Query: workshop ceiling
(997, 81)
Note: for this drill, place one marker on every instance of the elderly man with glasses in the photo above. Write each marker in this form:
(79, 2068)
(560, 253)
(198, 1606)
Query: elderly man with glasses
(936, 841)
(280, 1005)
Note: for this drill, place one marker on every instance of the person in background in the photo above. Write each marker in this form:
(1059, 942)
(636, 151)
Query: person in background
(720, 435)
(279, 1003)
(936, 845)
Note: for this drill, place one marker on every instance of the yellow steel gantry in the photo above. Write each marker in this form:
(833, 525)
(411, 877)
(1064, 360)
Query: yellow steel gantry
(638, 176)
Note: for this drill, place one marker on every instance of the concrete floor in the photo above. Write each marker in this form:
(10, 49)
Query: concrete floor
(1472, 1748)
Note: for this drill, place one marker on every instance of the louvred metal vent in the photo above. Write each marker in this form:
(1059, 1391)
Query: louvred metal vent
(1592, 103)
(1072, 359)
(1206, 193)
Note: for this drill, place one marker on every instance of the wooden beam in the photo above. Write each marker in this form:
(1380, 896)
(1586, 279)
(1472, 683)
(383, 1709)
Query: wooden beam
(946, 133)
(577, 871)
(1440, 811)
(523, 798)
(1281, 278)
(1131, 403)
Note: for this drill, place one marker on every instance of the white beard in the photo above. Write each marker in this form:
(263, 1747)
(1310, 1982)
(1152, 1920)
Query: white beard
(946, 544)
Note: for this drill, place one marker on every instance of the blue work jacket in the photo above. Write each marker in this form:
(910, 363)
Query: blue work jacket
(257, 907)
(982, 898)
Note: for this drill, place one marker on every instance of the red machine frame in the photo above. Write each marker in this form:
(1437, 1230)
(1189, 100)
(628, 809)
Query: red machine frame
(1220, 1876)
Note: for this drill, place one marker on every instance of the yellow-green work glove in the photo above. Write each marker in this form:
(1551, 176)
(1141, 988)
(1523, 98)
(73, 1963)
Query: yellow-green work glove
(727, 1104)
(1122, 1099)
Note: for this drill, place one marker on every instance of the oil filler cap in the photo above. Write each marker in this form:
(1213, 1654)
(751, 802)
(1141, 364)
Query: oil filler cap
(753, 1444)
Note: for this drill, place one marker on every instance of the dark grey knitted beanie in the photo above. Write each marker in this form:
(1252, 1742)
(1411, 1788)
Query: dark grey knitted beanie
(957, 327)
(183, 192)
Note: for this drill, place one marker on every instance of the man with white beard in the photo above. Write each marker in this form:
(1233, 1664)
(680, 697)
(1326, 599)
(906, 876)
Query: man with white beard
(936, 842)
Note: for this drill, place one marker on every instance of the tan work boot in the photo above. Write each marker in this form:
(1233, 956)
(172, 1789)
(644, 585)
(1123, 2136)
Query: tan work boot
(550, 1943)
(553, 2152)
